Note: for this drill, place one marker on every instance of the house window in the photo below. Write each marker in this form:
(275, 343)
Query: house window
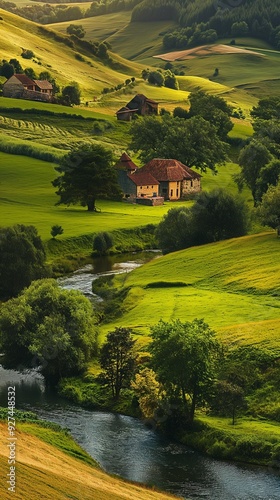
(147, 187)
(191, 184)
(171, 192)
(140, 187)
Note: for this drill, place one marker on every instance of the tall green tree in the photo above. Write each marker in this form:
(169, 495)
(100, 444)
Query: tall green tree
(267, 108)
(71, 94)
(214, 109)
(48, 327)
(22, 259)
(252, 159)
(269, 209)
(117, 359)
(228, 398)
(218, 215)
(194, 142)
(184, 357)
(87, 173)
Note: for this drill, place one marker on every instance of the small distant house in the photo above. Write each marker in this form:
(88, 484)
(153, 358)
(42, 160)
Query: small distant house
(176, 180)
(21, 86)
(141, 105)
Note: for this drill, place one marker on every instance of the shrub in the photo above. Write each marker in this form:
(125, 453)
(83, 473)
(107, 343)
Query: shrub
(56, 230)
(27, 54)
(253, 448)
(102, 242)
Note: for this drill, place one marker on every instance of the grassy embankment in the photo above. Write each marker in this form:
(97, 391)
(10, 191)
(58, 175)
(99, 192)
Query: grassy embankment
(50, 464)
(234, 286)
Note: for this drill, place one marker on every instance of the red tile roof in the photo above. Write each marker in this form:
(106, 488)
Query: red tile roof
(143, 179)
(126, 163)
(43, 84)
(169, 170)
(25, 80)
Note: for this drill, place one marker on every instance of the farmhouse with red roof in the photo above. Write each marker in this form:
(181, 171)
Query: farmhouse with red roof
(176, 180)
(161, 179)
(22, 87)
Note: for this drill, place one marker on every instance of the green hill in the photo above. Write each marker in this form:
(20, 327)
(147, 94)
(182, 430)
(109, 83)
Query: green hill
(233, 285)
(53, 54)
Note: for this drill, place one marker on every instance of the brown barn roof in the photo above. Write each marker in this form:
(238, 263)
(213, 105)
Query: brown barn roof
(138, 100)
(25, 80)
(143, 179)
(169, 170)
(43, 84)
(126, 163)
(124, 109)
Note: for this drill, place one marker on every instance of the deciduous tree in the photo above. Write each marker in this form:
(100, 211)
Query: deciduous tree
(184, 357)
(269, 209)
(48, 327)
(87, 173)
(194, 142)
(22, 259)
(117, 359)
(215, 216)
(252, 159)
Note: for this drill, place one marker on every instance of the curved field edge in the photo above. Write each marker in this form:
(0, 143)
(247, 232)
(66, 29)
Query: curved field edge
(233, 285)
(43, 471)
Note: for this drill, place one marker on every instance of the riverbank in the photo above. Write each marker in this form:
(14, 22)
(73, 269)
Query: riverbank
(49, 464)
(249, 440)
(68, 255)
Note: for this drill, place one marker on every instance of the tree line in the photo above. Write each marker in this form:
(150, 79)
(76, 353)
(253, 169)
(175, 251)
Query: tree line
(204, 22)
(48, 13)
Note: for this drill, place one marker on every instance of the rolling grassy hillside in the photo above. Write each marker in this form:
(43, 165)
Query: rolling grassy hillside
(233, 285)
(44, 471)
(57, 58)
(243, 77)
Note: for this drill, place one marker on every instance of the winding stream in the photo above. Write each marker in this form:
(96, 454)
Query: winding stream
(124, 446)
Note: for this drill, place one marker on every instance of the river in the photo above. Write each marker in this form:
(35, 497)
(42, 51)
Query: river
(125, 446)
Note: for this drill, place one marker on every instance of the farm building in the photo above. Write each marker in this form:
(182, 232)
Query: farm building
(22, 87)
(140, 105)
(163, 178)
(176, 180)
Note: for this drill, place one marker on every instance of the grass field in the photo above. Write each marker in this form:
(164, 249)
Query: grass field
(28, 197)
(233, 285)
(44, 471)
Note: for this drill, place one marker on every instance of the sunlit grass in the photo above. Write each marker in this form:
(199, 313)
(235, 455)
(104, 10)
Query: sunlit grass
(270, 431)
(28, 197)
(233, 285)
